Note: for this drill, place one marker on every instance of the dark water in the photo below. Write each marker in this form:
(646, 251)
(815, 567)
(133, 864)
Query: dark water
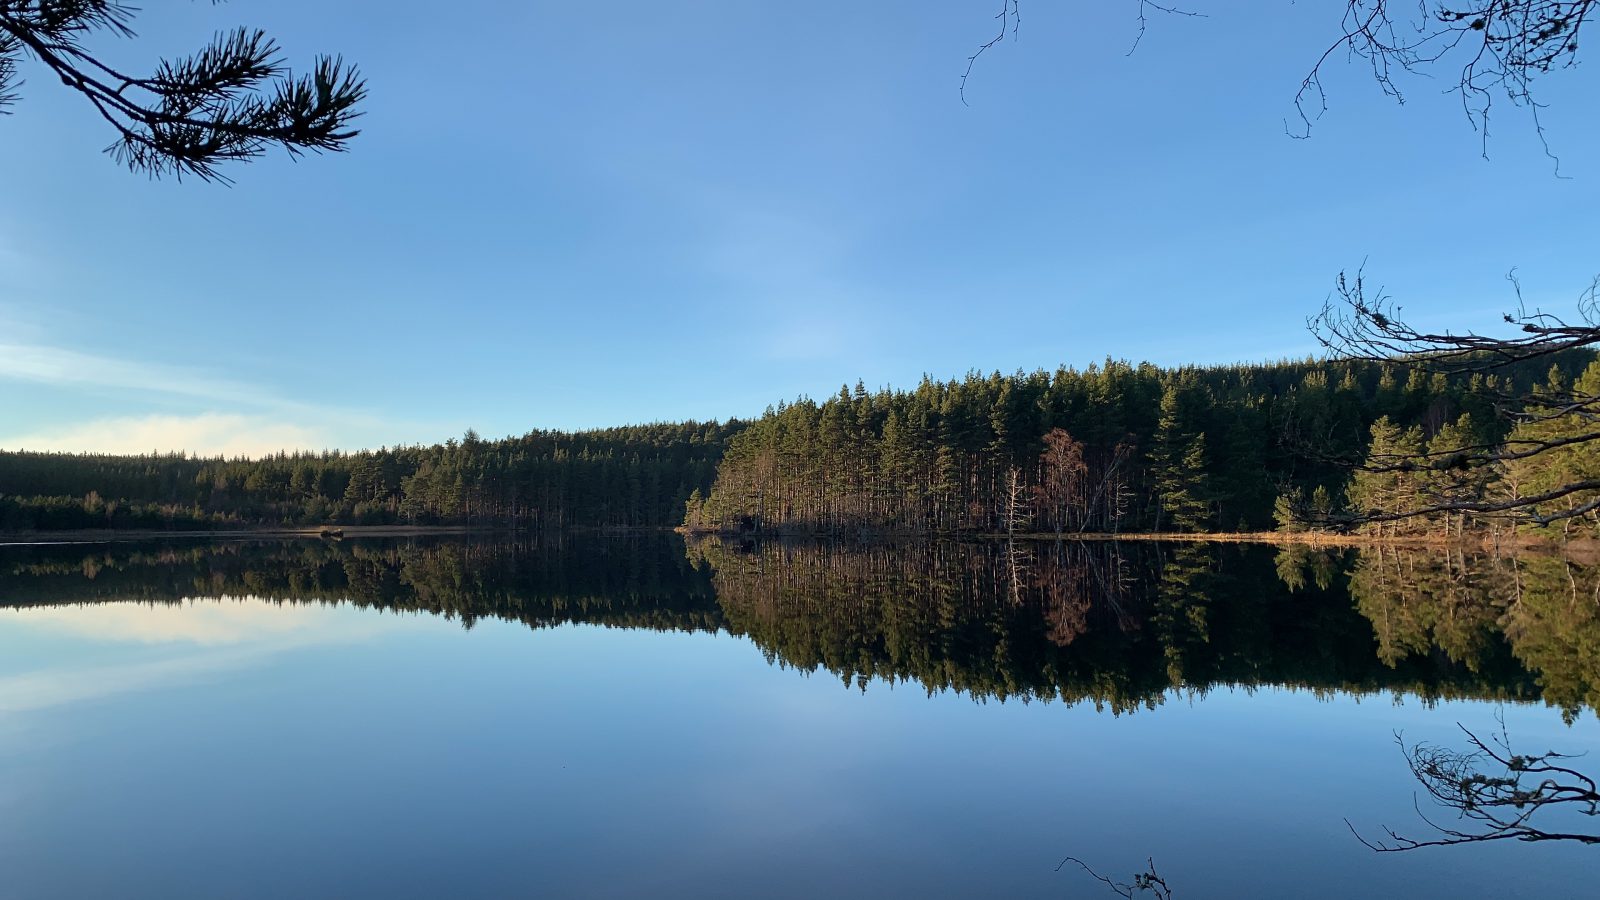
(624, 718)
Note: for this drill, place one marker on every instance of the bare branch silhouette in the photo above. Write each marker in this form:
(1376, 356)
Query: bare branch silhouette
(1010, 18)
(1503, 46)
(1498, 791)
(1359, 322)
(1146, 881)
(1144, 19)
(1498, 50)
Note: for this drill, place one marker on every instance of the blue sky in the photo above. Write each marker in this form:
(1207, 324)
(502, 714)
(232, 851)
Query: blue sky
(574, 215)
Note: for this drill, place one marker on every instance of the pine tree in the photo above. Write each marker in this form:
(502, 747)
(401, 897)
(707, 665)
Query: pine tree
(1385, 486)
(1563, 465)
(1178, 468)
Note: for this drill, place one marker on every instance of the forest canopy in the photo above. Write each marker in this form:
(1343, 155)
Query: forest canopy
(1119, 447)
(635, 476)
(1115, 447)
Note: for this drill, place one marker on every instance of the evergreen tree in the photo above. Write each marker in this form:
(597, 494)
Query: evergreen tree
(1178, 466)
(1386, 486)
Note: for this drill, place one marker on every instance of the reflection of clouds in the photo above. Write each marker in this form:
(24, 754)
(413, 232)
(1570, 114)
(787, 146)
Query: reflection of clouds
(235, 634)
(205, 622)
(54, 687)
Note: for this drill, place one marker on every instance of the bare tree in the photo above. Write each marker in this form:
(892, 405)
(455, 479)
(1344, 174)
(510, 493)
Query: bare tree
(1016, 514)
(1062, 473)
(1499, 794)
(231, 101)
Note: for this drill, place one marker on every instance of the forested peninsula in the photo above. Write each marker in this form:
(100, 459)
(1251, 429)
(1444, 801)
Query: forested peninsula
(1113, 448)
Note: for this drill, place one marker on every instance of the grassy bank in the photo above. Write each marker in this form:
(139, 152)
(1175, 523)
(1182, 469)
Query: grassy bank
(1579, 548)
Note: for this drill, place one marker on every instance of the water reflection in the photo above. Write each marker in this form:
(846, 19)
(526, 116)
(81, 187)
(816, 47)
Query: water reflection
(1123, 627)
(315, 698)
(1466, 607)
(632, 584)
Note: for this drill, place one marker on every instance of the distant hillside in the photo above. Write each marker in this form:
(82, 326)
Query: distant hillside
(625, 477)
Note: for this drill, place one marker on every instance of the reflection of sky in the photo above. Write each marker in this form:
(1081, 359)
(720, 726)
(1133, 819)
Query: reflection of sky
(333, 751)
(108, 646)
(203, 622)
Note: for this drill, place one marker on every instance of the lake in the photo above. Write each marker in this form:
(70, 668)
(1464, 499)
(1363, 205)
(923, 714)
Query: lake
(630, 716)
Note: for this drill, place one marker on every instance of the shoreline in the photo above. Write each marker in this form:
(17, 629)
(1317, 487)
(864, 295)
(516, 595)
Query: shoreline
(1588, 548)
(118, 535)
(1315, 539)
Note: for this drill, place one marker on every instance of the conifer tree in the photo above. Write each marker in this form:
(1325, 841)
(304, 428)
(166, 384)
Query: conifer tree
(1178, 467)
(231, 101)
(1382, 489)
(1563, 465)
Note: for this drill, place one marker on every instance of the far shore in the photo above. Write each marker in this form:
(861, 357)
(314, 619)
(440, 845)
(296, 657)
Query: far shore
(108, 535)
(1587, 549)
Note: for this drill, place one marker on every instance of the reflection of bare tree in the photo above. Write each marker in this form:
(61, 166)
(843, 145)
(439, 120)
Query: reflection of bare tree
(1142, 882)
(1068, 598)
(1498, 792)
(1035, 620)
(1017, 570)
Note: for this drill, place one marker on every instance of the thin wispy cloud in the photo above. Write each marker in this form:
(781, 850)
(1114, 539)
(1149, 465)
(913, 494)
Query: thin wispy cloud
(63, 367)
(791, 271)
(764, 247)
(204, 434)
(20, 252)
(234, 418)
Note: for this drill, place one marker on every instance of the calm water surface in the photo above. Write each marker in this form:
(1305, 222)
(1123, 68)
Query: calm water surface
(624, 717)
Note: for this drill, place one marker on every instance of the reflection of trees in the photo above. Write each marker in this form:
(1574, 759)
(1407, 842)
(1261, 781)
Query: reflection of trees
(1421, 601)
(1554, 629)
(633, 583)
(1182, 608)
(1118, 625)
(1035, 622)
(1494, 615)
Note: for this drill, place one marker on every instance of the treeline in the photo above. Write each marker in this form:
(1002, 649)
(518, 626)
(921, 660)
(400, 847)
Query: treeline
(1111, 448)
(620, 477)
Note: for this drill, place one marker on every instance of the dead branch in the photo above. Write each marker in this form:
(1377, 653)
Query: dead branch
(1144, 881)
(1499, 792)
